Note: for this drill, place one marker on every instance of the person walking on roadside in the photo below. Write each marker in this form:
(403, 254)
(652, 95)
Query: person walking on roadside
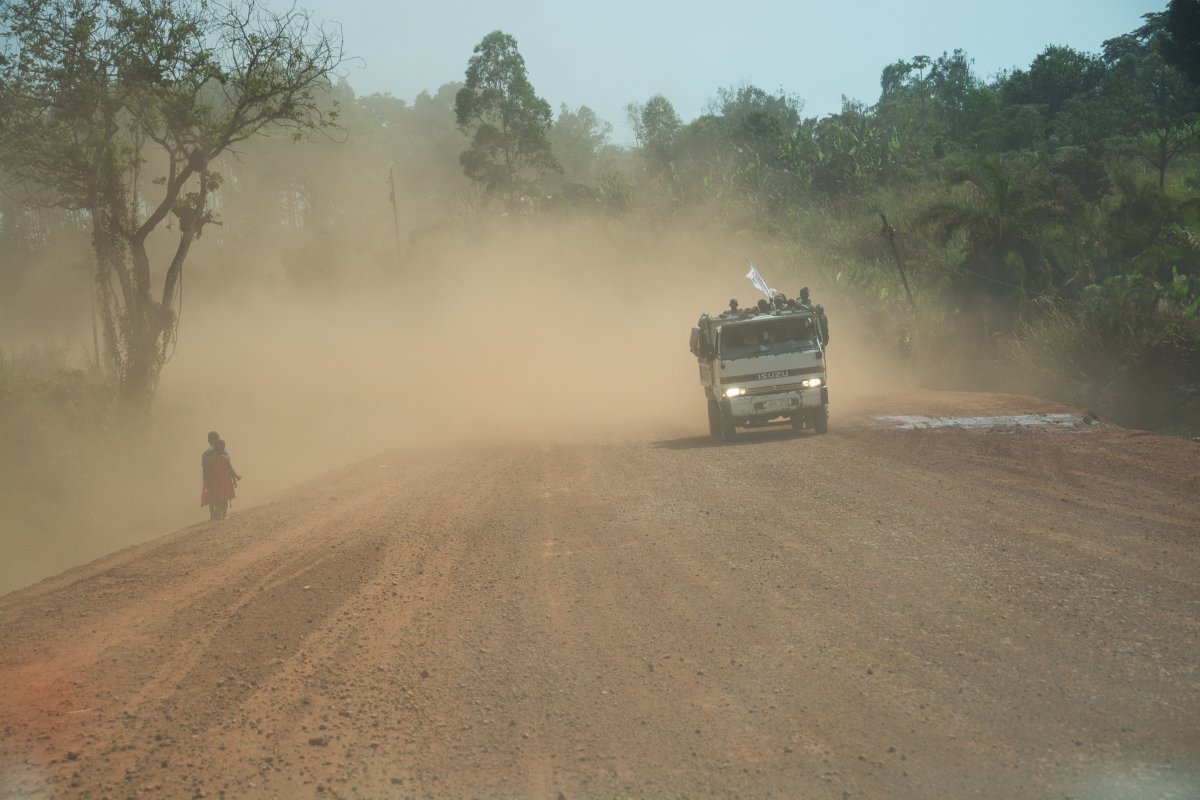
(220, 478)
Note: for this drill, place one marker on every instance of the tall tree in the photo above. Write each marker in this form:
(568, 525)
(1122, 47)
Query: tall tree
(846, 152)
(425, 145)
(655, 124)
(1054, 77)
(578, 138)
(1160, 104)
(742, 145)
(1182, 48)
(506, 120)
(957, 94)
(908, 118)
(119, 109)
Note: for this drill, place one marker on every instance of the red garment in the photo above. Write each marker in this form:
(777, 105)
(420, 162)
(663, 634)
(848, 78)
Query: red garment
(218, 480)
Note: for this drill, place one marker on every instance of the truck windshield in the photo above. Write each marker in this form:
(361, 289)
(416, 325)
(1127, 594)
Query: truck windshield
(768, 337)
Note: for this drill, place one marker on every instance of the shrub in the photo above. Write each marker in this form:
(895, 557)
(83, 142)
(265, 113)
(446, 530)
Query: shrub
(1128, 348)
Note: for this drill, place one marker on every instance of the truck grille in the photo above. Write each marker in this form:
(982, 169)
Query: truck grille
(777, 389)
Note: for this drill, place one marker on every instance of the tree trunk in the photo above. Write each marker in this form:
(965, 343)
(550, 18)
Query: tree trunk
(143, 359)
(1162, 164)
(133, 321)
(136, 389)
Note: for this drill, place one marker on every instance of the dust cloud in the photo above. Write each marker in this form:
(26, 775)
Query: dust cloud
(532, 332)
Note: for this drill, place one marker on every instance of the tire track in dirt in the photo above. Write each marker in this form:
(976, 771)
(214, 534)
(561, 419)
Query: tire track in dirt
(240, 611)
(870, 613)
(375, 665)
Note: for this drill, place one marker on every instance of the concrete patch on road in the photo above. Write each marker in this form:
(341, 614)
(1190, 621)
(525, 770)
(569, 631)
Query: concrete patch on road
(1137, 781)
(994, 424)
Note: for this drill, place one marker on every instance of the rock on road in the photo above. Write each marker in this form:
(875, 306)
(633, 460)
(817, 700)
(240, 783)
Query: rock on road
(879, 612)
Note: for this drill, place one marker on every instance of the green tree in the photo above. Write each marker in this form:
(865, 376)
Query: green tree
(1150, 232)
(759, 128)
(958, 97)
(1158, 102)
(1182, 48)
(906, 114)
(929, 108)
(740, 148)
(750, 107)
(847, 152)
(506, 120)
(655, 124)
(1003, 216)
(119, 109)
(1042, 106)
(703, 163)
(1054, 77)
(578, 140)
(426, 150)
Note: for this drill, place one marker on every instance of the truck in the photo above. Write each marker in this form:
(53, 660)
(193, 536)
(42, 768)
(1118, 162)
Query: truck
(764, 365)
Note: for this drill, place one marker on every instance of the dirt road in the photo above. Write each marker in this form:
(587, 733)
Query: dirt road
(1000, 612)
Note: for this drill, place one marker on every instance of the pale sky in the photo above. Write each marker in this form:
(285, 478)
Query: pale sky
(607, 54)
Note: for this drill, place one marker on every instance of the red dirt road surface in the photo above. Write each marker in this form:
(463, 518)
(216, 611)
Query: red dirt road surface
(1001, 612)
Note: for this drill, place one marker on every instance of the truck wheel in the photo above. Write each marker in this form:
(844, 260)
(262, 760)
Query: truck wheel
(728, 428)
(797, 422)
(821, 420)
(714, 419)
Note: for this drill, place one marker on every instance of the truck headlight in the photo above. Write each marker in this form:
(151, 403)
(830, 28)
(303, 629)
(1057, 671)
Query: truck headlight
(734, 391)
(812, 383)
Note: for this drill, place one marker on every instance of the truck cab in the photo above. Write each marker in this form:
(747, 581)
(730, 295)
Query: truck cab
(764, 367)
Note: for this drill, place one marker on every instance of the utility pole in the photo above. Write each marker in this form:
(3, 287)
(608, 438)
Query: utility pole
(905, 340)
(889, 233)
(395, 211)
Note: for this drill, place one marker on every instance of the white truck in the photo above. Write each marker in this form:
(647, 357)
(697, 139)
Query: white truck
(764, 366)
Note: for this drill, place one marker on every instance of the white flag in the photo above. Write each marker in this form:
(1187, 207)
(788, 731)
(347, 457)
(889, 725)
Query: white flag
(759, 283)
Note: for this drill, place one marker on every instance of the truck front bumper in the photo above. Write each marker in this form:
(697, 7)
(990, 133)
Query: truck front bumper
(765, 407)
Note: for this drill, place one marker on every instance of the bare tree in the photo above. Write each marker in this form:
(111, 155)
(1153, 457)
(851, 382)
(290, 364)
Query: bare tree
(119, 108)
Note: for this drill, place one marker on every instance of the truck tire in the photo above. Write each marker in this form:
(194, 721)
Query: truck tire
(728, 428)
(797, 422)
(714, 419)
(821, 419)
